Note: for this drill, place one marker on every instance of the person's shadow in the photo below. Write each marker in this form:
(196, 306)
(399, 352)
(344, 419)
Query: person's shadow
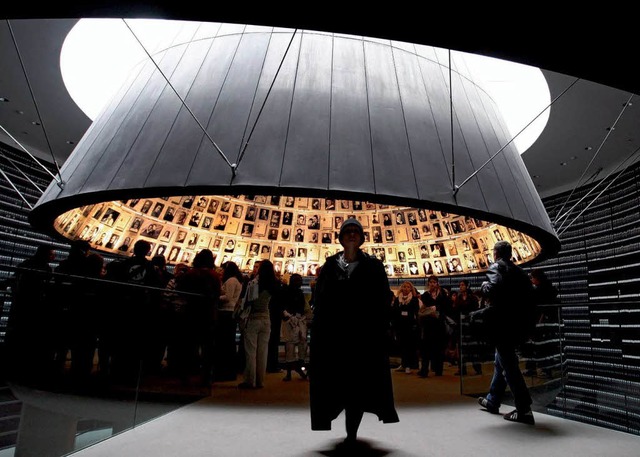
(358, 448)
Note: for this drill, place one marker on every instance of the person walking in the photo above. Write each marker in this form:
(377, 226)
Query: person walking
(509, 291)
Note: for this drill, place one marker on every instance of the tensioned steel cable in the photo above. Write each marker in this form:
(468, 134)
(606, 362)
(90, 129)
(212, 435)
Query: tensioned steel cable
(603, 190)
(453, 157)
(246, 144)
(222, 154)
(457, 188)
(35, 104)
(59, 181)
(24, 175)
(15, 188)
(604, 140)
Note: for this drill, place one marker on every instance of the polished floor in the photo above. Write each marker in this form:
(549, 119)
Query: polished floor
(435, 420)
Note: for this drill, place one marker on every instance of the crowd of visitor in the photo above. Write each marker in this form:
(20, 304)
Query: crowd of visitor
(133, 316)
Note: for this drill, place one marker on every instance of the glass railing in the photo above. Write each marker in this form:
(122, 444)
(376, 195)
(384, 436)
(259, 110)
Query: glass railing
(583, 363)
(84, 359)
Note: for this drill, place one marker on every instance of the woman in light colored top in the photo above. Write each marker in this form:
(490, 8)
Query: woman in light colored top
(258, 329)
(226, 330)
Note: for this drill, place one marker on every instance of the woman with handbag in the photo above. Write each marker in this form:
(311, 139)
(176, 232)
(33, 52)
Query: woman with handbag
(258, 326)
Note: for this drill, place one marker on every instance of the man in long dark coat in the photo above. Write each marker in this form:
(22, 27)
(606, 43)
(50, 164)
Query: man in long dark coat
(349, 361)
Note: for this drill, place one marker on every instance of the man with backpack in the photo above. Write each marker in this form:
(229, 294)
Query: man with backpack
(509, 291)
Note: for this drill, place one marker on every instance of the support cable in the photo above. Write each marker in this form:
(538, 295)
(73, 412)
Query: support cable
(453, 157)
(222, 154)
(60, 182)
(457, 188)
(15, 188)
(603, 190)
(255, 123)
(604, 140)
(24, 175)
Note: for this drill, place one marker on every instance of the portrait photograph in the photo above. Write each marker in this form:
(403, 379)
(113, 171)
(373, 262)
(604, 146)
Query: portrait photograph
(413, 269)
(113, 239)
(247, 230)
(424, 251)
(452, 249)
(422, 215)
(182, 235)
(109, 217)
(275, 200)
(337, 222)
(225, 207)
(315, 204)
(206, 222)
(363, 219)
(402, 256)
(399, 269)
(181, 217)
(157, 209)
(265, 251)
(212, 207)
(152, 230)
(411, 253)
(273, 234)
(329, 204)
(427, 269)
(146, 206)
(263, 214)
(289, 202)
(415, 233)
(220, 222)
(250, 214)
(287, 218)
(313, 222)
(312, 236)
(194, 221)
(166, 234)
(174, 254)
(302, 254)
(275, 219)
(279, 251)
(301, 219)
(387, 220)
(201, 202)
(326, 237)
(388, 235)
(437, 250)
(187, 201)
(254, 248)
(217, 243)
(170, 214)
(400, 220)
(299, 235)
(237, 211)
(229, 245)
(192, 240)
(135, 225)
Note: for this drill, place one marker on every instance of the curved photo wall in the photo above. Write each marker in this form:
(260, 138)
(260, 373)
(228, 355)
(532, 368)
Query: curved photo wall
(296, 234)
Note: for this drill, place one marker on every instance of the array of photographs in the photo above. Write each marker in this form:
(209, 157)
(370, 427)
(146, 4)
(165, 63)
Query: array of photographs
(296, 234)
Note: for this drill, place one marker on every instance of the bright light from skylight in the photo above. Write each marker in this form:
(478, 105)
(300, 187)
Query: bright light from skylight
(99, 54)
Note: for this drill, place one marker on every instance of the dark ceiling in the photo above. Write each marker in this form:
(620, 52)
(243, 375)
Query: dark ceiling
(598, 48)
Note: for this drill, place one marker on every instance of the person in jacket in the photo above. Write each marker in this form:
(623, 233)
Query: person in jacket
(509, 291)
(227, 325)
(349, 360)
(258, 327)
(294, 327)
(405, 323)
(433, 335)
